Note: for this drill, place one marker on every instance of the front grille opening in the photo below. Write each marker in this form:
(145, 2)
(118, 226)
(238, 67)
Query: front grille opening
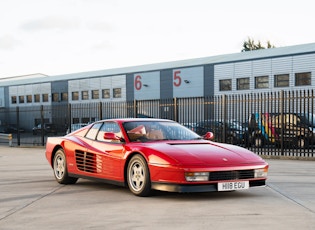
(231, 175)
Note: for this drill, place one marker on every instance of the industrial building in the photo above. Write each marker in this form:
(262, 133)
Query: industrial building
(244, 73)
(265, 70)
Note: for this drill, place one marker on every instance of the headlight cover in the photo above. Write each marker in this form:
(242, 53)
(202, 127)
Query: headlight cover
(261, 173)
(197, 176)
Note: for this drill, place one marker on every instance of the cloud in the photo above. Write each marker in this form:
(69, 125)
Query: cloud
(51, 23)
(7, 42)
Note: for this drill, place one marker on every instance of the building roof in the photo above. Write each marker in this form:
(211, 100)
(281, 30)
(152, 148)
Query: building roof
(226, 58)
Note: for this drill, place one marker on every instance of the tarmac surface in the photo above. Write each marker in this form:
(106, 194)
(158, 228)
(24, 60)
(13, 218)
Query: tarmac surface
(30, 198)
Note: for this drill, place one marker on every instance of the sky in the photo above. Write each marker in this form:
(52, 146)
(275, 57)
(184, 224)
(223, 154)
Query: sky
(56, 37)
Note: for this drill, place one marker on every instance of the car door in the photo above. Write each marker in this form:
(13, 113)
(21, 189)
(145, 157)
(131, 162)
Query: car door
(108, 153)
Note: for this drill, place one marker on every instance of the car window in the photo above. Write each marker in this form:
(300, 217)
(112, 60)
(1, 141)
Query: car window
(91, 134)
(112, 127)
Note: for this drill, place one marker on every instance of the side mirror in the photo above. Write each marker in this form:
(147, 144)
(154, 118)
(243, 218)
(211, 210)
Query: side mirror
(111, 136)
(208, 136)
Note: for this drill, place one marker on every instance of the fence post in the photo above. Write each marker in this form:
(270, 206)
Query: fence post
(69, 119)
(282, 120)
(175, 109)
(224, 114)
(100, 111)
(42, 125)
(18, 127)
(135, 108)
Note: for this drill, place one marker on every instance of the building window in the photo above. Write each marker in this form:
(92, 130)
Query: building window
(117, 92)
(282, 80)
(13, 99)
(85, 95)
(302, 79)
(242, 83)
(29, 98)
(262, 82)
(75, 120)
(36, 98)
(64, 96)
(21, 99)
(95, 94)
(106, 93)
(75, 96)
(45, 97)
(55, 97)
(225, 85)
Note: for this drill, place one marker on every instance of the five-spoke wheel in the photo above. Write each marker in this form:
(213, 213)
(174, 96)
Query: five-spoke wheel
(60, 169)
(138, 176)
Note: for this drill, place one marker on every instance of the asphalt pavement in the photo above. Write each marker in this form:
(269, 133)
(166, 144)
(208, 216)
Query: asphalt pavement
(30, 198)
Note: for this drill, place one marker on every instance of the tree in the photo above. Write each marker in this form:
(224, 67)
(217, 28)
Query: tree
(250, 45)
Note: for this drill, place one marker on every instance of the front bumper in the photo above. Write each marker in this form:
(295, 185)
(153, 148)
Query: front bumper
(185, 188)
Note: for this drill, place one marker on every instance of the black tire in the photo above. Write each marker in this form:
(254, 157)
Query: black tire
(138, 176)
(60, 169)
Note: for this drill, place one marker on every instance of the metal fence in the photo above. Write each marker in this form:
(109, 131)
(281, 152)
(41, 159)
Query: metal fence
(274, 123)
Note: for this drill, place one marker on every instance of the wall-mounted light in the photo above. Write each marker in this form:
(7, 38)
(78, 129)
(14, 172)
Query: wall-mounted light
(187, 81)
(145, 85)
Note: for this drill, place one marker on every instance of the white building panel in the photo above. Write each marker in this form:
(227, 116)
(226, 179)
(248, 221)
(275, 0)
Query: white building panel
(106, 83)
(89, 84)
(24, 90)
(242, 69)
(73, 86)
(188, 82)
(282, 65)
(29, 90)
(94, 83)
(304, 63)
(147, 85)
(84, 84)
(221, 72)
(224, 70)
(21, 90)
(13, 91)
(261, 67)
(119, 82)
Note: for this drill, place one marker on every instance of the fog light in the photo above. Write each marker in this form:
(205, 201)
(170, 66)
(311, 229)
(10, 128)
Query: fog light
(197, 176)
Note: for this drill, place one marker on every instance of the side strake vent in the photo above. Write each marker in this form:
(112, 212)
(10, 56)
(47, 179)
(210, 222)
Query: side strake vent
(88, 162)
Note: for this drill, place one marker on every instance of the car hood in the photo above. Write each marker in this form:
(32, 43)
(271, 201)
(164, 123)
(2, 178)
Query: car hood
(207, 153)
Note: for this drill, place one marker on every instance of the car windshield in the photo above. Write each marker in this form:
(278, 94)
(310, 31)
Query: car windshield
(157, 130)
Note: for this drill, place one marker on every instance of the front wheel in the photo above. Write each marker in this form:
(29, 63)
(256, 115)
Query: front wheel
(138, 176)
(60, 169)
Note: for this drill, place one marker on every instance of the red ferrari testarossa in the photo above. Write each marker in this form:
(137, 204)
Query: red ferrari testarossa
(153, 154)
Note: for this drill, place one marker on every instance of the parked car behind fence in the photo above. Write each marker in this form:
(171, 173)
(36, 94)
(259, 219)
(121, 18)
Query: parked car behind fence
(293, 129)
(47, 128)
(230, 131)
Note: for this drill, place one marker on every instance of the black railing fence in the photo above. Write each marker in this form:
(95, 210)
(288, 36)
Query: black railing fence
(272, 123)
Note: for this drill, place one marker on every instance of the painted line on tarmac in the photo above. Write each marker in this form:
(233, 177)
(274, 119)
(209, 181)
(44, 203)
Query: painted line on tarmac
(289, 197)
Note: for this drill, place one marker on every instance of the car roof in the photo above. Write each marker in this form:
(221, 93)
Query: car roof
(121, 120)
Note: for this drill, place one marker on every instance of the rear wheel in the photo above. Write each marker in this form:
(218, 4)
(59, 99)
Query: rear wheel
(60, 168)
(138, 176)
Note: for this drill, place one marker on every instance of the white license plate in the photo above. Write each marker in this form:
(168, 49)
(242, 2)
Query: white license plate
(233, 185)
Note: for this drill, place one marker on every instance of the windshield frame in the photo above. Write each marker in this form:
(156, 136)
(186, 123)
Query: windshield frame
(142, 131)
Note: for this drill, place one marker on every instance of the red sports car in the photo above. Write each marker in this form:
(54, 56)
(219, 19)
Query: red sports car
(153, 154)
